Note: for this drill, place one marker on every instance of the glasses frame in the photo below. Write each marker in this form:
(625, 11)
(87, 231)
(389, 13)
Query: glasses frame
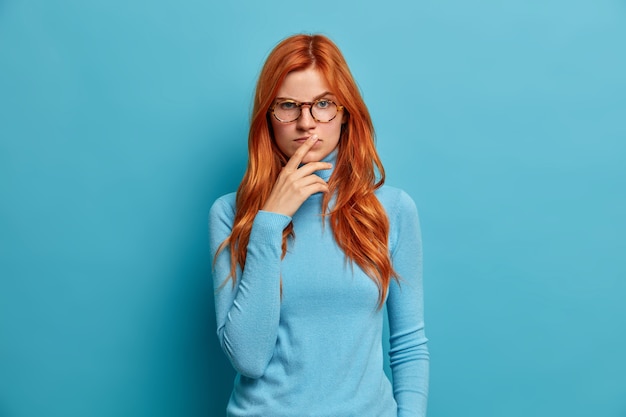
(305, 103)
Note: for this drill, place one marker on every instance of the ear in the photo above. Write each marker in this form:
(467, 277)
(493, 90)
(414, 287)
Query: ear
(344, 117)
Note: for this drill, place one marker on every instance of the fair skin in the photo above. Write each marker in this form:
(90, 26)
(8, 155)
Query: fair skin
(305, 141)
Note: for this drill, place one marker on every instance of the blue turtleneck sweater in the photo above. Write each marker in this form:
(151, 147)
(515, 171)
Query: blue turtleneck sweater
(317, 350)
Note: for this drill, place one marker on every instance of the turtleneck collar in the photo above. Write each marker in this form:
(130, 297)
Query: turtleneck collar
(326, 173)
(323, 174)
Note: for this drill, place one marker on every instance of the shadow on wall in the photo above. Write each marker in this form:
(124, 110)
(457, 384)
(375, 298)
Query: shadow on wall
(221, 374)
(226, 166)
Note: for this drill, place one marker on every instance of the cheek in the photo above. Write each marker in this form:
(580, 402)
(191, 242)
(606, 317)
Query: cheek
(282, 135)
(278, 129)
(334, 131)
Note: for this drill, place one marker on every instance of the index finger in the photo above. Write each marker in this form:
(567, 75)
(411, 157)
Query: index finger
(298, 156)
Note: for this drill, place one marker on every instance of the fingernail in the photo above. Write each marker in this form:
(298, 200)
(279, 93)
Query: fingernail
(314, 137)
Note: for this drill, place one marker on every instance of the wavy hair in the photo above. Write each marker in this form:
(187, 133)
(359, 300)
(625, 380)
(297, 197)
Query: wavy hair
(359, 223)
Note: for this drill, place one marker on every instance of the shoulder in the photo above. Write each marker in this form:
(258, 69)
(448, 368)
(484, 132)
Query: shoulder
(225, 206)
(396, 201)
(404, 224)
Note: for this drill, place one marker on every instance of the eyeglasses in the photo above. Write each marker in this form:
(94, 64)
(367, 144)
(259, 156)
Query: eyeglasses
(322, 110)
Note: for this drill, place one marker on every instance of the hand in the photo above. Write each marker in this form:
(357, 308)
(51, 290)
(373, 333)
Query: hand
(294, 185)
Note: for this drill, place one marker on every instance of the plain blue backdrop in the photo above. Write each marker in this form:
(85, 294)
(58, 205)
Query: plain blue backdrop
(122, 121)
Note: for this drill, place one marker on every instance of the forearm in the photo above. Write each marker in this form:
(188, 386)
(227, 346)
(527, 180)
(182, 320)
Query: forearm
(409, 362)
(408, 352)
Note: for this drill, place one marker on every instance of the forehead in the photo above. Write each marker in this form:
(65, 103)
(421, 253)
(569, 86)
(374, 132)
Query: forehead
(303, 85)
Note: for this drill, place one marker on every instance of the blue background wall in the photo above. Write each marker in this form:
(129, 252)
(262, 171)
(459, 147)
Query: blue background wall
(121, 122)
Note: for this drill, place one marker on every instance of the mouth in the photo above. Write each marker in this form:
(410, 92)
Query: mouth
(304, 139)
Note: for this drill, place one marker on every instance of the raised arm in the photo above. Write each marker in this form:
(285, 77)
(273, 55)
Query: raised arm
(248, 313)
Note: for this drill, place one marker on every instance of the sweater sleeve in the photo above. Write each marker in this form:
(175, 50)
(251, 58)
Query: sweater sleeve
(247, 313)
(409, 357)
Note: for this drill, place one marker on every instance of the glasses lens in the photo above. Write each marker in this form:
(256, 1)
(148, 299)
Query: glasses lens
(287, 111)
(324, 110)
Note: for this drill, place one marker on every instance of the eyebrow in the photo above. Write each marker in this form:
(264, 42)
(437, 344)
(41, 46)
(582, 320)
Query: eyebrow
(326, 93)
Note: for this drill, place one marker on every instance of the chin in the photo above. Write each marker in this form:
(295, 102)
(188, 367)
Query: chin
(314, 156)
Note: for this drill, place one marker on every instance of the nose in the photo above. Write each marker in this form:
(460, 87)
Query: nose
(306, 120)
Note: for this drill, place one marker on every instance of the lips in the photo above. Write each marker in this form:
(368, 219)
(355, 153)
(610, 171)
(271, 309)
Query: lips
(304, 139)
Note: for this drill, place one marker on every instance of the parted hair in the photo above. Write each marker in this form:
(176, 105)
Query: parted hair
(358, 221)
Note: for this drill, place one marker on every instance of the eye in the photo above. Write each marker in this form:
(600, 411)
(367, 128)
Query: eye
(287, 105)
(323, 104)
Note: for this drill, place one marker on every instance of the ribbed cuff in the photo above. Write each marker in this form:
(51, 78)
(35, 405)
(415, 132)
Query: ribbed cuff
(268, 227)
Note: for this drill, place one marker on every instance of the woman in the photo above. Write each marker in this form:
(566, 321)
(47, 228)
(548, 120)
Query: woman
(310, 249)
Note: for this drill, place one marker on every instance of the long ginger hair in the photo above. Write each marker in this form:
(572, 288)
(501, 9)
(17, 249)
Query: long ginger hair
(359, 223)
